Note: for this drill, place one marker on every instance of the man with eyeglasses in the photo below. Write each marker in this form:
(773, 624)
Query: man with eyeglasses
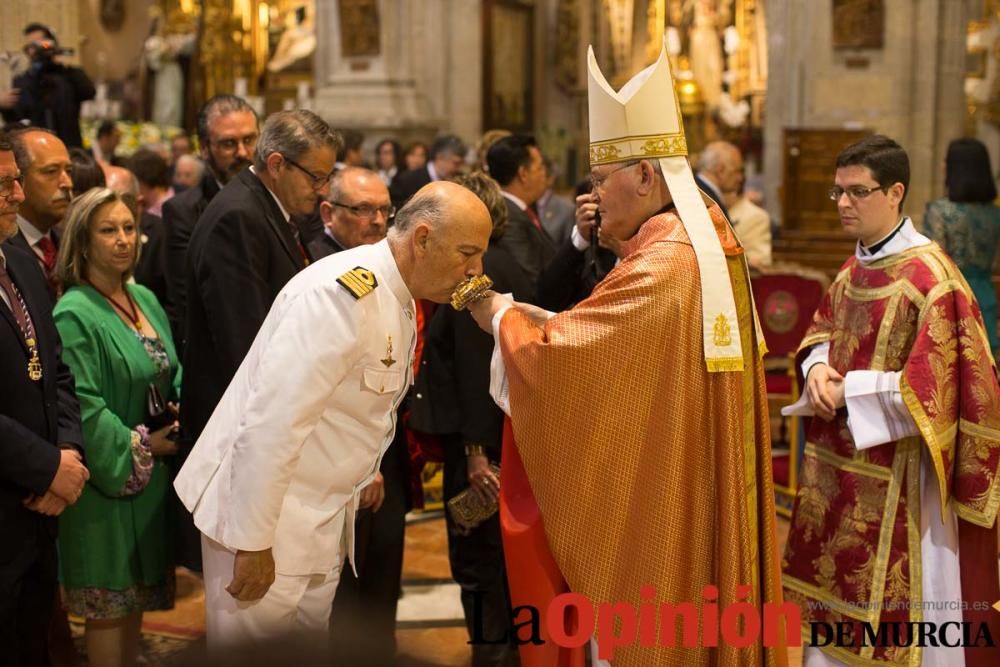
(356, 212)
(41, 465)
(639, 434)
(243, 250)
(227, 134)
(899, 488)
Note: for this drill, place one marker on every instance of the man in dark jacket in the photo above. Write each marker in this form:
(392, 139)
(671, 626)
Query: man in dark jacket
(41, 464)
(49, 94)
(243, 251)
(227, 132)
(452, 400)
(446, 159)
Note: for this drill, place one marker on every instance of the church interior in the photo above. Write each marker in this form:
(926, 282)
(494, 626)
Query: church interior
(788, 83)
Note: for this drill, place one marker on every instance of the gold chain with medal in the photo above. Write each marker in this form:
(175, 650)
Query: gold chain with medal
(34, 362)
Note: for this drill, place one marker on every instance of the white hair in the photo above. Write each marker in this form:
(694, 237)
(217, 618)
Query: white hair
(199, 166)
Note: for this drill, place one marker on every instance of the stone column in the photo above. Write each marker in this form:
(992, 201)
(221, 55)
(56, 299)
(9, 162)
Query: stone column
(424, 80)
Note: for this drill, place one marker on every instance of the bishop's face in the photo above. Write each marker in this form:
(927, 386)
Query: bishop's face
(614, 191)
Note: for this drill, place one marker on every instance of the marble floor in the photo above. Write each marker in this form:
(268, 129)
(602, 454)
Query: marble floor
(430, 629)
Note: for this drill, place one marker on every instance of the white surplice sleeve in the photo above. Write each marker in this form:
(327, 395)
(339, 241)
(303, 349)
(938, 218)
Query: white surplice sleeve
(876, 413)
(498, 372)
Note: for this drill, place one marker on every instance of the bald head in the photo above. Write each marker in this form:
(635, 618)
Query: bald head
(188, 171)
(47, 170)
(439, 239)
(358, 210)
(722, 163)
(123, 182)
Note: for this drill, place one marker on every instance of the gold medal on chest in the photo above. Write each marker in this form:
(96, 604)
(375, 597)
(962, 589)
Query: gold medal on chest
(34, 363)
(388, 361)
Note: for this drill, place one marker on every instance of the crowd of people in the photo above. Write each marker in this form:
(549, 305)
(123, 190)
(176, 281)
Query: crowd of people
(235, 360)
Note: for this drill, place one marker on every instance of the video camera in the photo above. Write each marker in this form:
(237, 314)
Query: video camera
(45, 49)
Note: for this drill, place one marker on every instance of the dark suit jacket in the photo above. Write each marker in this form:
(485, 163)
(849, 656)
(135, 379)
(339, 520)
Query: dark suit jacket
(322, 246)
(405, 185)
(51, 97)
(452, 393)
(571, 275)
(35, 418)
(242, 252)
(558, 218)
(180, 213)
(530, 247)
(711, 192)
(310, 228)
(150, 271)
(18, 241)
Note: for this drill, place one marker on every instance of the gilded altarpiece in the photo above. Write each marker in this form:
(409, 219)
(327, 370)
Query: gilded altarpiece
(232, 46)
(359, 28)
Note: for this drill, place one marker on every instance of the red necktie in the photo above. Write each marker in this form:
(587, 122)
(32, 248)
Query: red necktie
(48, 260)
(530, 212)
(298, 242)
(49, 253)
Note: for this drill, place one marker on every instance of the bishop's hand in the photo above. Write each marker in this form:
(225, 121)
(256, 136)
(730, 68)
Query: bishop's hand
(484, 309)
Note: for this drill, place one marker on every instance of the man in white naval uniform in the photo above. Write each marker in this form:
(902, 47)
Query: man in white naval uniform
(277, 475)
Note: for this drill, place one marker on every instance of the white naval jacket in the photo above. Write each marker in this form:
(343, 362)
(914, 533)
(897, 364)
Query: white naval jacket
(303, 425)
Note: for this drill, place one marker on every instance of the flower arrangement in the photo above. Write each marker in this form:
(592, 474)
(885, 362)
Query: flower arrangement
(135, 135)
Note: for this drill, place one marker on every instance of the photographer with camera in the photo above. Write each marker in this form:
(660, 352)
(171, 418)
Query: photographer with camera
(49, 94)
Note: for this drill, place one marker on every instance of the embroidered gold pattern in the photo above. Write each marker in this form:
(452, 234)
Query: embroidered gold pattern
(602, 153)
(669, 145)
(722, 332)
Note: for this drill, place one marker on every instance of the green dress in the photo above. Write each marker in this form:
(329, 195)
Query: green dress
(970, 234)
(114, 543)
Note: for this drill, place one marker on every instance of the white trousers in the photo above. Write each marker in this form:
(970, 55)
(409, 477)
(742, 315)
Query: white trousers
(293, 605)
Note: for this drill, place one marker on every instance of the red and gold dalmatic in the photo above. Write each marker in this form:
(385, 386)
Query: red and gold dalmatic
(854, 551)
(647, 469)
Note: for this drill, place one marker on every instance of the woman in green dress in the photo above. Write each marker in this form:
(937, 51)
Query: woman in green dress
(115, 554)
(967, 223)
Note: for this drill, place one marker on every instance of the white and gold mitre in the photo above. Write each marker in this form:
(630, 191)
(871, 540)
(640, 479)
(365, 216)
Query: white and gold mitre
(643, 121)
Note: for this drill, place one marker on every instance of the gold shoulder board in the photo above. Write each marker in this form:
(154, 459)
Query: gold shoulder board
(359, 282)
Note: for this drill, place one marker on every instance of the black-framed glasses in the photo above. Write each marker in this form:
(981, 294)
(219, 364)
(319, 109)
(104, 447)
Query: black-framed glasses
(368, 211)
(318, 182)
(598, 181)
(7, 185)
(854, 193)
(230, 145)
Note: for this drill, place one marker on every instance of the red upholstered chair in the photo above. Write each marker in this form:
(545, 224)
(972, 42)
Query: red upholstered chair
(786, 296)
